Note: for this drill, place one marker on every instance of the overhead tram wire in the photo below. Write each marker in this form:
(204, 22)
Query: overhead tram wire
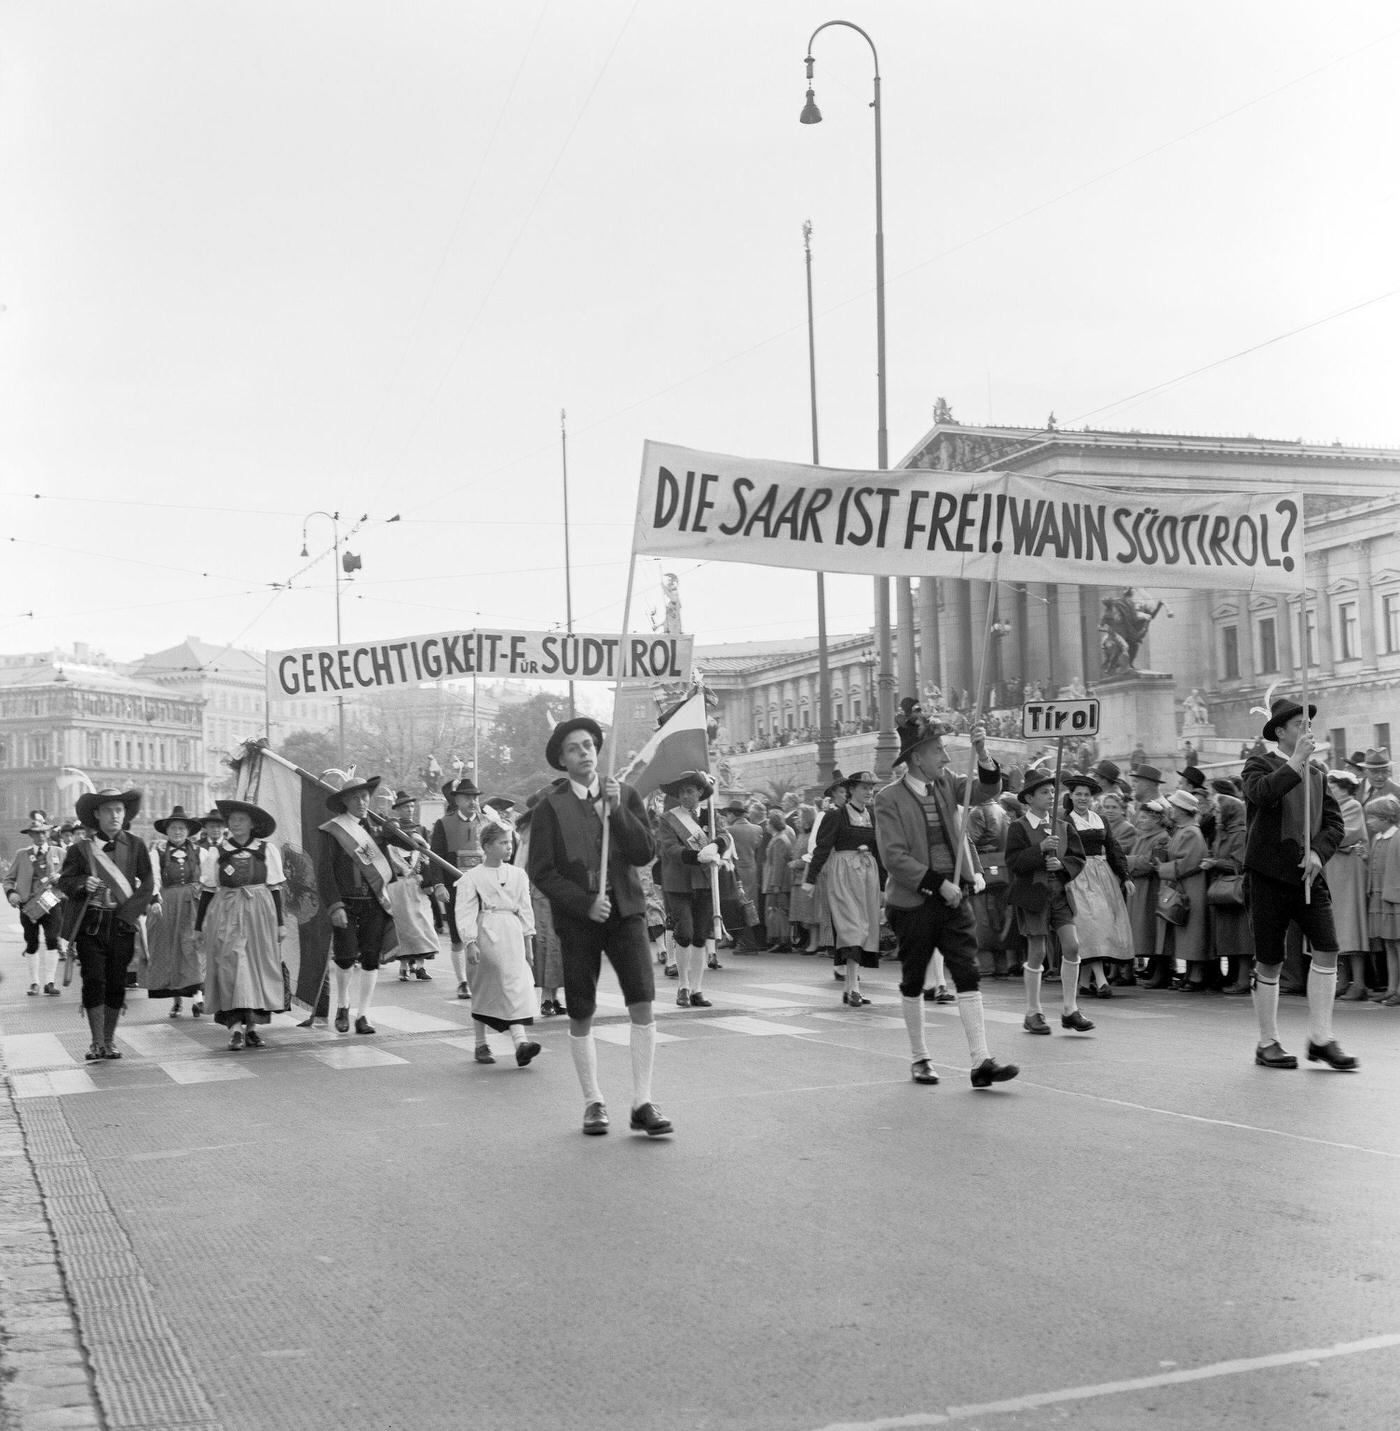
(958, 247)
(510, 251)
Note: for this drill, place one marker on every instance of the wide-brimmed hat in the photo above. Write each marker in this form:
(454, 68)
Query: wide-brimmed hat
(178, 813)
(1107, 771)
(1357, 758)
(36, 827)
(263, 823)
(862, 777)
(837, 780)
(554, 747)
(1184, 800)
(335, 801)
(1033, 781)
(1378, 759)
(212, 817)
(86, 805)
(1280, 713)
(499, 803)
(1148, 772)
(67, 827)
(402, 799)
(919, 732)
(1193, 777)
(689, 777)
(1081, 777)
(465, 786)
(734, 808)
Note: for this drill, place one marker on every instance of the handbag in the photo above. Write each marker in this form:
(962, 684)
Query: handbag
(746, 903)
(1173, 903)
(1226, 891)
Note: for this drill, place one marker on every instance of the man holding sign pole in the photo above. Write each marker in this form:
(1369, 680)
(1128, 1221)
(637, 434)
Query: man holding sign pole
(1292, 831)
(918, 831)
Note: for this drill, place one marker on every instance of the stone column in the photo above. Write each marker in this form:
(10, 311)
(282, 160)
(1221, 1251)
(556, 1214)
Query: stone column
(957, 658)
(1248, 673)
(906, 669)
(930, 666)
(1038, 627)
(1365, 605)
(979, 599)
(1325, 663)
(1071, 652)
(1283, 627)
(1011, 611)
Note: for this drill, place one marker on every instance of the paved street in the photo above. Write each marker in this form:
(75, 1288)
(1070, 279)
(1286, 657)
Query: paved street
(1142, 1230)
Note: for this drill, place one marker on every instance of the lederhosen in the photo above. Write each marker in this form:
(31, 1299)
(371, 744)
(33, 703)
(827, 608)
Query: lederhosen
(105, 940)
(369, 931)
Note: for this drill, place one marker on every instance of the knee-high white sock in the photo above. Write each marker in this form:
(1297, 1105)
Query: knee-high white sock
(1322, 989)
(643, 1057)
(340, 986)
(1032, 978)
(852, 975)
(45, 962)
(914, 1022)
(584, 1052)
(517, 1034)
(698, 955)
(1069, 984)
(1266, 1007)
(459, 964)
(974, 1025)
(364, 991)
(937, 971)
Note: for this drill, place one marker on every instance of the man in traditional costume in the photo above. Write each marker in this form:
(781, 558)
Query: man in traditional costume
(109, 876)
(355, 879)
(30, 888)
(1285, 885)
(917, 828)
(598, 910)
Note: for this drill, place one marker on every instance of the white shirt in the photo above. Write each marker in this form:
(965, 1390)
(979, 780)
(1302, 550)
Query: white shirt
(584, 792)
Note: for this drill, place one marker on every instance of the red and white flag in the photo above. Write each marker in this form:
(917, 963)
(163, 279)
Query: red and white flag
(681, 744)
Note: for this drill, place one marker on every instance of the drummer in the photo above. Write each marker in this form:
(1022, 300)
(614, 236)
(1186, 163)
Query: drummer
(29, 886)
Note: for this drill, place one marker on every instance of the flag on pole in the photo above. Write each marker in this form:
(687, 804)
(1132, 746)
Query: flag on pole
(298, 804)
(681, 744)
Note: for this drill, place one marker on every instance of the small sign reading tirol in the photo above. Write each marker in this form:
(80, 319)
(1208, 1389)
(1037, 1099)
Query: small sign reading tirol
(1055, 720)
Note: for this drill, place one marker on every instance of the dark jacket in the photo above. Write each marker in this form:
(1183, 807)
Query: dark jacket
(1267, 778)
(839, 832)
(1031, 882)
(566, 845)
(902, 833)
(129, 855)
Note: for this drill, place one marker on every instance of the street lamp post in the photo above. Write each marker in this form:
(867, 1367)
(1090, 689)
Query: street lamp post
(334, 519)
(886, 745)
(826, 740)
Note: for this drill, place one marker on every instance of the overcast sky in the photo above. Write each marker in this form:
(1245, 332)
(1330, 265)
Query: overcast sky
(261, 257)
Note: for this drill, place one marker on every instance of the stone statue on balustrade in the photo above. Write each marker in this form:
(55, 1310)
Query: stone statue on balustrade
(1123, 629)
(1195, 709)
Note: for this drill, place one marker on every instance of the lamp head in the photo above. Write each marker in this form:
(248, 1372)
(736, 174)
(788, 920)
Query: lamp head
(810, 113)
(304, 552)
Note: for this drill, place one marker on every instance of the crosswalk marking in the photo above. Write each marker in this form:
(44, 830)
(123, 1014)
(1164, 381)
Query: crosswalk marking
(622, 1034)
(158, 1041)
(742, 1023)
(205, 1071)
(352, 1056)
(754, 1001)
(861, 1020)
(407, 1021)
(40, 1050)
(992, 1016)
(53, 1084)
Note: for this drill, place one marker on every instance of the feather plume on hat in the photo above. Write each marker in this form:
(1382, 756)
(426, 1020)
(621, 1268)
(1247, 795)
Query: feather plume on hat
(1266, 710)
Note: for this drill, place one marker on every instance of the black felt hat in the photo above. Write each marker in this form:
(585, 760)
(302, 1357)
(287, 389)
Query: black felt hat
(335, 801)
(263, 823)
(919, 732)
(554, 748)
(1280, 713)
(87, 805)
(465, 786)
(178, 813)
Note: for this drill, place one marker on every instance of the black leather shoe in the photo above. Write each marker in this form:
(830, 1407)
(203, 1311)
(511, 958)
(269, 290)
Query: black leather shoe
(647, 1119)
(714, 964)
(699, 1001)
(423, 976)
(1271, 1055)
(989, 1071)
(363, 1025)
(1035, 1023)
(920, 1072)
(595, 1119)
(1331, 1054)
(342, 1021)
(671, 971)
(683, 998)
(1076, 1021)
(525, 1053)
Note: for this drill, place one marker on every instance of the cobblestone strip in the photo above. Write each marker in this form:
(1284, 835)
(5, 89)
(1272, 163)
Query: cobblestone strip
(82, 1341)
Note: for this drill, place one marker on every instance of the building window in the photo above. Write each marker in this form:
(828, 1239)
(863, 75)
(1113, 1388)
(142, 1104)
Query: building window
(1268, 645)
(39, 749)
(1382, 729)
(1307, 635)
(1390, 615)
(94, 749)
(1230, 652)
(1346, 628)
(1338, 736)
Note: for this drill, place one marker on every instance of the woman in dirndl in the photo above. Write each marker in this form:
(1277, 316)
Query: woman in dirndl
(1346, 883)
(175, 965)
(495, 920)
(242, 925)
(1101, 887)
(845, 852)
(409, 901)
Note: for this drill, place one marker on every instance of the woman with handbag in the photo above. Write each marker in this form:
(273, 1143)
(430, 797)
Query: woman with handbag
(1229, 925)
(1183, 931)
(1346, 883)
